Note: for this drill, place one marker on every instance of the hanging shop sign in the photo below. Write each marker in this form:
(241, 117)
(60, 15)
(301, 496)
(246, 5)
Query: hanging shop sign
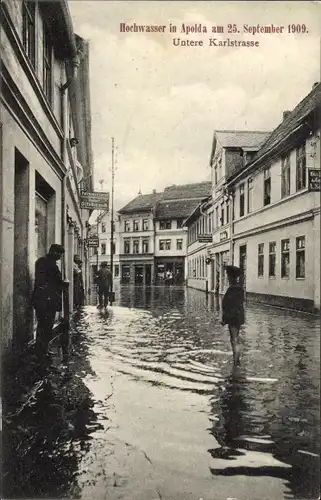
(204, 238)
(314, 179)
(93, 241)
(94, 200)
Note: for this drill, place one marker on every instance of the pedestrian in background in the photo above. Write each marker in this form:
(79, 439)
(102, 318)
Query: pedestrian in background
(47, 297)
(78, 287)
(233, 308)
(104, 283)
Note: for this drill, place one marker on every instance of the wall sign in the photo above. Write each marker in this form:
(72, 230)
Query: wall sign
(204, 238)
(314, 179)
(223, 235)
(93, 241)
(94, 200)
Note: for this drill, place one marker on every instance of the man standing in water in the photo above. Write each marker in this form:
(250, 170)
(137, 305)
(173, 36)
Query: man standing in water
(104, 282)
(233, 308)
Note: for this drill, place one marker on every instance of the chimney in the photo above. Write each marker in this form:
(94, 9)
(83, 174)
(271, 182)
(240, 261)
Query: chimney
(286, 114)
(315, 85)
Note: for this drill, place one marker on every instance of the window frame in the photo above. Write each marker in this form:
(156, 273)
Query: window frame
(145, 244)
(267, 184)
(127, 226)
(242, 199)
(126, 245)
(301, 167)
(249, 195)
(168, 244)
(135, 246)
(145, 224)
(272, 259)
(260, 260)
(47, 64)
(29, 30)
(298, 252)
(161, 245)
(179, 243)
(135, 225)
(285, 175)
(285, 251)
(165, 224)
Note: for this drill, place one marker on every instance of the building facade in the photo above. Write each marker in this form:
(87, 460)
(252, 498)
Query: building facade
(137, 240)
(42, 168)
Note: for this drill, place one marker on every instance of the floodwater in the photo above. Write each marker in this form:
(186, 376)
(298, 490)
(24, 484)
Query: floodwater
(168, 417)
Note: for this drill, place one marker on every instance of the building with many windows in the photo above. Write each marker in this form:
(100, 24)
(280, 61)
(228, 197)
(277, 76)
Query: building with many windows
(177, 204)
(45, 151)
(136, 240)
(276, 224)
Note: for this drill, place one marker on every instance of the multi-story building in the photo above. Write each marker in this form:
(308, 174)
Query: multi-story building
(177, 204)
(276, 226)
(264, 213)
(45, 150)
(102, 253)
(136, 240)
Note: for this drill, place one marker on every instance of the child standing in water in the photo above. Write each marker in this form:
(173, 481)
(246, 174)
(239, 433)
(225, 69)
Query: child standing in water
(233, 308)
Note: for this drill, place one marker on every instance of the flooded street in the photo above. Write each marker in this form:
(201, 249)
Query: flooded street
(166, 415)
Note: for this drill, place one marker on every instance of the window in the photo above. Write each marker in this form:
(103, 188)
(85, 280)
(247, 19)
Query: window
(215, 174)
(145, 246)
(267, 186)
(260, 263)
(126, 246)
(272, 259)
(242, 200)
(103, 227)
(227, 211)
(300, 168)
(216, 218)
(285, 176)
(162, 244)
(210, 223)
(136, 246)
(222, 214)
(29, 40)
(103, 249)
(285, 258)
(300, 257)
(145, 224)
(249, 195)
(233, 205)
(179, 244)
(47, 64)
(165, 224)
(136, 225)
(179, 223)
(167, 244)
(116, 271)
(127, 226)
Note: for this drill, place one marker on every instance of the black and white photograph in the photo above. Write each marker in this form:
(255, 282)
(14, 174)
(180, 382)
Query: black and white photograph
(160, 249)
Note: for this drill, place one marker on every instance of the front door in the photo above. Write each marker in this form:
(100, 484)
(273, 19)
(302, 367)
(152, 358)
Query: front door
(243, 265)
(148, 274)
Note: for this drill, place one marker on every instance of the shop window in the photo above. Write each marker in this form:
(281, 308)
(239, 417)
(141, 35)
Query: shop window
(267, 186)
(300, 257)
(127, 226)
(285, 176)
(250, 195)
(179, 244)
(165, 224)
(260, 263)
(136, 246)
(145, 246)
(272, 259)
(300, 168)
(136, 225)
(127, 246)
(167, 244)
(103, 249)
(242, 204)
(285, 258)
(47, 63)
(29, 35)
(145, 224)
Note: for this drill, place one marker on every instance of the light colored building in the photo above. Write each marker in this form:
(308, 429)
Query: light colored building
(102, 228)
(136, 240)
(177, 204)
(276, 229)
(45, 151)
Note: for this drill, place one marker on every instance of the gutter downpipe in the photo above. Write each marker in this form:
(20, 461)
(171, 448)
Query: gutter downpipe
(64, 337)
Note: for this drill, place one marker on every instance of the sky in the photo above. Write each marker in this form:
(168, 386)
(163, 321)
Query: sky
(162, 103)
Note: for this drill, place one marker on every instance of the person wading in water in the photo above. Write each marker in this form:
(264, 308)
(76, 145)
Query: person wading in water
(233, 308)
(104, 282)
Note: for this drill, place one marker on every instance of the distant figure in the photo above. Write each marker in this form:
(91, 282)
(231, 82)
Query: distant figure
(78, 283)
(233, 308)
(47, 297)
(104, 283)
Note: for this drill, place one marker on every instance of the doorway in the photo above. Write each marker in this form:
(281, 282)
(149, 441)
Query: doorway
(148, 274)
(243, 265)
(139, 275)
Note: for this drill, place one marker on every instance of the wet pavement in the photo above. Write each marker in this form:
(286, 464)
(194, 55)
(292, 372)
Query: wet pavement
(152, 408)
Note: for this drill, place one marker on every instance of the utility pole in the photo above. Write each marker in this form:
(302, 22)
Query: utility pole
(112, 214)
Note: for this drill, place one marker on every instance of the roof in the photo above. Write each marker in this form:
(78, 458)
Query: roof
(241, 138)
(187, 191)
(142, 202)
(288, 126)
(175, 209)
(301, 111)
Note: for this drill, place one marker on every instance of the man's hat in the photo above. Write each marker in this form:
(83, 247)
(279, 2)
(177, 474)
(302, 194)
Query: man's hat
(55, 248)
(233, 271)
